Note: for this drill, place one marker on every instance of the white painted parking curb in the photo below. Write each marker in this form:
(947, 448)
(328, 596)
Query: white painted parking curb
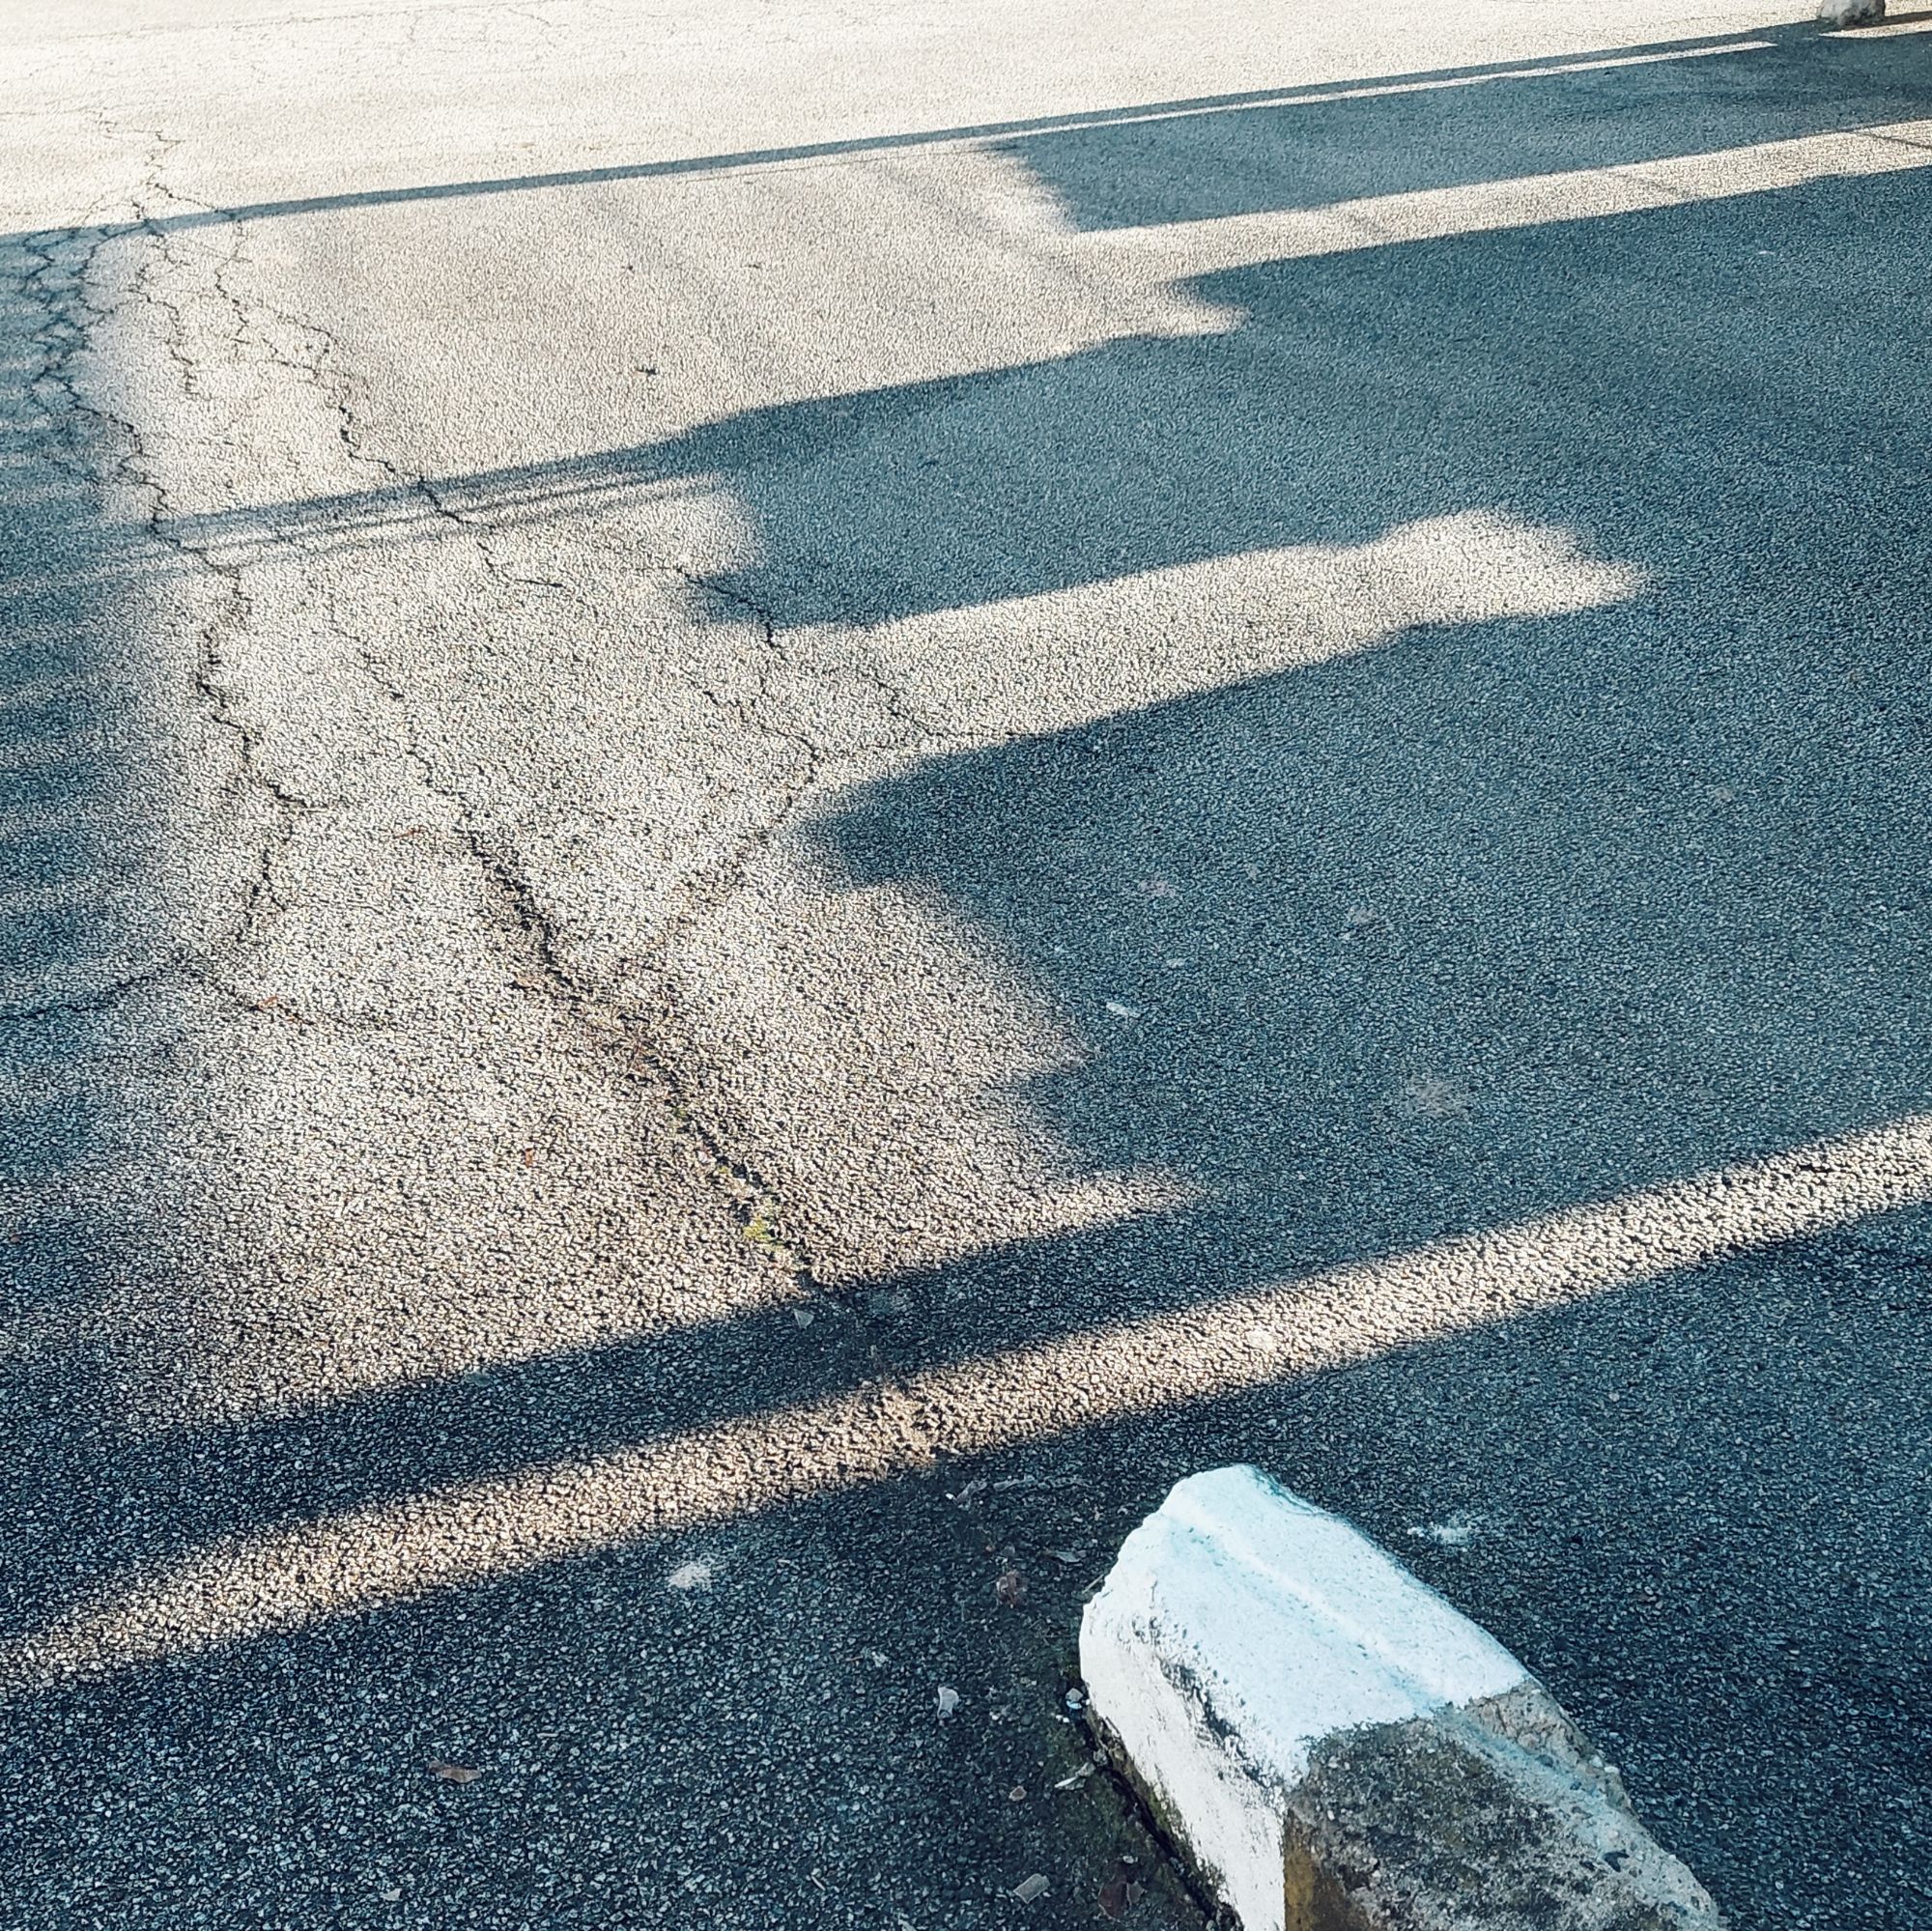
(1336, 1747)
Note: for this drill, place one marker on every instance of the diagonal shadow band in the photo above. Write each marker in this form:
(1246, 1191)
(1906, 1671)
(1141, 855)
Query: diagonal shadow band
(1220, 421)
(1799, 44)
(258, 1582)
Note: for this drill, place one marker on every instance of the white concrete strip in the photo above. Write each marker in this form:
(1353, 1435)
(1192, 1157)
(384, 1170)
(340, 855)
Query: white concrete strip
(1289, 1698)
(1242, 1600)
(470, 1533)
(1186, 248)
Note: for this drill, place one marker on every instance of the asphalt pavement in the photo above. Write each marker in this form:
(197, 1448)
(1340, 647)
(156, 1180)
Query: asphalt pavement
(792, 792)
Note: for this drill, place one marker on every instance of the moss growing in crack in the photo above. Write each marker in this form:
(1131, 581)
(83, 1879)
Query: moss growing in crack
(762, 1229)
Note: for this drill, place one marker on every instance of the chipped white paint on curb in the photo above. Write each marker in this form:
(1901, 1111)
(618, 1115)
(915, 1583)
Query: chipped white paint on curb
(1335, 1745)
(1294, 1626)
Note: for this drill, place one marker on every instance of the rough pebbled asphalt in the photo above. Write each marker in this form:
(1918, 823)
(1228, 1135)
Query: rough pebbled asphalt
(790, 792)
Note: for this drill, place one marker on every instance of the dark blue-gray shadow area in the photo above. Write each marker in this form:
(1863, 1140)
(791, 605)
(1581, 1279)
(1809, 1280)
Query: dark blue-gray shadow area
(1398, 136)
(74, 877)
(1490, 918)
(84, 913)
(1648, 382)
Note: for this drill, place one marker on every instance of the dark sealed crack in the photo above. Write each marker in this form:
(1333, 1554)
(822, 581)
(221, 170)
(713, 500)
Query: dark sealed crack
(97, 999)
(812, 760)
(753, 1204)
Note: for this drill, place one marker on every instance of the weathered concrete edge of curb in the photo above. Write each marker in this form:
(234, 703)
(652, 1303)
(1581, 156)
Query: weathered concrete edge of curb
(1336, 1749)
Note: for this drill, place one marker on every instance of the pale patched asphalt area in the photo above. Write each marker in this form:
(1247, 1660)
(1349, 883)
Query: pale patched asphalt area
(1208, 722)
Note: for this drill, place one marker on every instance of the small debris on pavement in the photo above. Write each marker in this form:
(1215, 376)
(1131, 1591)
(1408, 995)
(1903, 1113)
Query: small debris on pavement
(688, 1575)
(1030, 1890)
(455, 1772)
(1075, 1702)
(1079, 1775)
(947, 1700)
(1457, 1532)
(1017, 1794)
(1121, 1009)
(1010, 1589)
(803, 1316)
(1430, 1096)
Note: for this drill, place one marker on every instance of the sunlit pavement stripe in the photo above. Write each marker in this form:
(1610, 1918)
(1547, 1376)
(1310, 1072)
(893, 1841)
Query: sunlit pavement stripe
(1184, 248)
(471, 1533)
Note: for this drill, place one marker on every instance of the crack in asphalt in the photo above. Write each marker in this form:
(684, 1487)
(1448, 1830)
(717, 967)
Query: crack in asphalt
(62, 291)
(750, 1200)
(62, 283)
(814, 760)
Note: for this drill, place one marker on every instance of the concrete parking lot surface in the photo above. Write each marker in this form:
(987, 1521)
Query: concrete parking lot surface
(792, 790)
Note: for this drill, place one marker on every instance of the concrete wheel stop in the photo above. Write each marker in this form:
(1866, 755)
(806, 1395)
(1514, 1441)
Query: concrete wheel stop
(1336, 1749)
